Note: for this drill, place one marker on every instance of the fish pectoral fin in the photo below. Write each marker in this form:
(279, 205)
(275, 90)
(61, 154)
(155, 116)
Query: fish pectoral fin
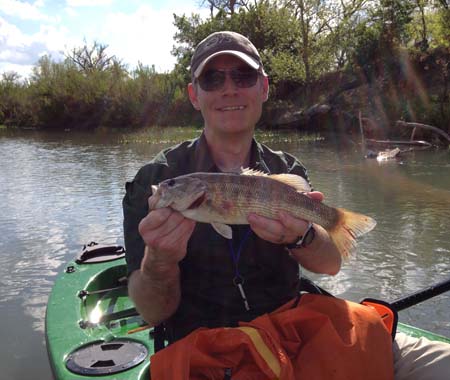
(296, 181)
(223, 229)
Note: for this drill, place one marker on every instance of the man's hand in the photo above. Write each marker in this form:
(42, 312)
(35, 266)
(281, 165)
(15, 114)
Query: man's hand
(166, 233)
(155, 288)
(285, 229)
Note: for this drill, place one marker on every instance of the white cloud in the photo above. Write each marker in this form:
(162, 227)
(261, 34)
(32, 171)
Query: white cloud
(88, 3)
(23, 10)
(145, 35)
(18, 49)
(71, 12)
(23, 70)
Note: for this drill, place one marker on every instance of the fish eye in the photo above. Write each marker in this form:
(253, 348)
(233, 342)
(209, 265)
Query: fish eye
(171, 182)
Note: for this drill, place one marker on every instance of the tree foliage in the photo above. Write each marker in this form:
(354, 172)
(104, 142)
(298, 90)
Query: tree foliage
(300, 42)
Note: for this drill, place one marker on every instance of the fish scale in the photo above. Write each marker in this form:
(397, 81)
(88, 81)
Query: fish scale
(265, 197)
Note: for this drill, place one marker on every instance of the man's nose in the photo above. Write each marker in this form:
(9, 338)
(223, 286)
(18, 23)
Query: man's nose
(229, 84)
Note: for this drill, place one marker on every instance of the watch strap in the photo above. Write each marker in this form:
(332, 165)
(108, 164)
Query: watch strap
(304, 240)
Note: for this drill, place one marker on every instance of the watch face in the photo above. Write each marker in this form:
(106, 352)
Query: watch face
(309, 237)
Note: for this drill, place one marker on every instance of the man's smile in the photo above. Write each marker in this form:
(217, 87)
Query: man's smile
(231, 108)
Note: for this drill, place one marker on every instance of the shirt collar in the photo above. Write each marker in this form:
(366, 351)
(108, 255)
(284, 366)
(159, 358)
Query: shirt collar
(203, 161)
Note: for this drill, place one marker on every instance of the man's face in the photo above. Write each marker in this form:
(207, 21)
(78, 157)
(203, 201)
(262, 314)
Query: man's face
(229, 109)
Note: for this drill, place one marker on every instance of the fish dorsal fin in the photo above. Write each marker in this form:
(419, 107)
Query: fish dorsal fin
(295, 181)
(249, 171)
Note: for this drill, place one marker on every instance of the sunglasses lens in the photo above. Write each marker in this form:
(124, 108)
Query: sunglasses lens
(213, 80)
(244, 78)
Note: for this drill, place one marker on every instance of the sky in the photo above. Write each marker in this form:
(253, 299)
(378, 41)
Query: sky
(134, 30)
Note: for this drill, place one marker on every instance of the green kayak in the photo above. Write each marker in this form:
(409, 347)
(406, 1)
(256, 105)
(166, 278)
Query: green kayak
(92, 328)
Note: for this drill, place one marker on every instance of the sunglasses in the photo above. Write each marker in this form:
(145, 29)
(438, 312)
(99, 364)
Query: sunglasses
(213, 80)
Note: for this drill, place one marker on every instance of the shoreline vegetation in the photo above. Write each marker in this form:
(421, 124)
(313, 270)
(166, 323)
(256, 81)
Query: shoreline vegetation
(327, 62)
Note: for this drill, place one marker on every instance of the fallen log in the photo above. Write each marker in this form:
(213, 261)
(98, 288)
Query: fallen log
(418, 143)
(439, 131)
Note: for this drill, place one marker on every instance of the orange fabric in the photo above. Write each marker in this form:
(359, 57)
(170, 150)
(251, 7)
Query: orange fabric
(321, 338)
(385, 312)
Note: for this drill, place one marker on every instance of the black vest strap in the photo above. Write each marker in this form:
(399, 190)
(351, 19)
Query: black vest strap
(159, 337)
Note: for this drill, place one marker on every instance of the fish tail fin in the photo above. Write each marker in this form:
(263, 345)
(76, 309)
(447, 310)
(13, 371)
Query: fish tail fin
(350, 225)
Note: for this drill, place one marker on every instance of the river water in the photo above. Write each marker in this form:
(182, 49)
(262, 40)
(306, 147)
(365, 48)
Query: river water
(59, 191)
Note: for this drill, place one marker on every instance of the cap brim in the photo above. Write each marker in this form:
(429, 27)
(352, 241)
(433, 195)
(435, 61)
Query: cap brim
(242, 56)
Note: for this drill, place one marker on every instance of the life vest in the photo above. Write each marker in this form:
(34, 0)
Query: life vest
(319, 337)
(387, 313)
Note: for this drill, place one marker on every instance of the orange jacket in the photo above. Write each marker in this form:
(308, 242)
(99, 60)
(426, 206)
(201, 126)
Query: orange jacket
(320, 338)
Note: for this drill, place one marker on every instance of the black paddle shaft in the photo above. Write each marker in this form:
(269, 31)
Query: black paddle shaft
(421, 295)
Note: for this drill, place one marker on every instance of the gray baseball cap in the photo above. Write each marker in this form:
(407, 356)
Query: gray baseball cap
(225, 42)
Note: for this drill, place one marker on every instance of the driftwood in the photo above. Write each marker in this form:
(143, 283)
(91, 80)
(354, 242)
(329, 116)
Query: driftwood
(412, 143)
(388, 154)
(361, 129)
(392, 147)
(424, 126)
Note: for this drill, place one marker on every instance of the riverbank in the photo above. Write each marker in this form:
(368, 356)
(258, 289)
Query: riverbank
(409, 86)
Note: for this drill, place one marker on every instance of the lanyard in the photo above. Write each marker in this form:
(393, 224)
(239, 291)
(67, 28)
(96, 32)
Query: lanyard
(238, 280)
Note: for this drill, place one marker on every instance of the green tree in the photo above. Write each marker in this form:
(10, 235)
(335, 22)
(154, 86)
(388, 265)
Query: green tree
(272, 29)
(394, 16)
(229, 6)
(92, 58)
(440, 24)
(16, 104)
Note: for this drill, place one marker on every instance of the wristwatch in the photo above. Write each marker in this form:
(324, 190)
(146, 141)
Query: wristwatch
(305, 240)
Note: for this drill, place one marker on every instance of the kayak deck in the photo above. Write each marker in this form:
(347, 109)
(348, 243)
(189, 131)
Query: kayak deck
(102, 312)
(89, 304)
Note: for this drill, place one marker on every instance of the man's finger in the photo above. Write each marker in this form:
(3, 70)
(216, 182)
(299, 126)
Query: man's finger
(270, 229)
(297, 226)
(154, 219)
(316, 195)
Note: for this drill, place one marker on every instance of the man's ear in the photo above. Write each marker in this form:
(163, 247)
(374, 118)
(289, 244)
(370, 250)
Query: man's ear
(192, 91)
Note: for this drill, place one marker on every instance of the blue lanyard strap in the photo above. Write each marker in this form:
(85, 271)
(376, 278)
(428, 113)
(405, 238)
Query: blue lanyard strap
(236, 255)
(238, 280)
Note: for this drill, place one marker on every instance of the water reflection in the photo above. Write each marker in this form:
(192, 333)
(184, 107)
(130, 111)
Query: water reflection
(59, 192)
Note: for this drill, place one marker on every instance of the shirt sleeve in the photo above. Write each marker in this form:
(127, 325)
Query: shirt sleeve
(296, 167)
(135, 208)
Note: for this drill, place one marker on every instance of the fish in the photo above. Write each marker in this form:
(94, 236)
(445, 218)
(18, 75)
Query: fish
(224, 199)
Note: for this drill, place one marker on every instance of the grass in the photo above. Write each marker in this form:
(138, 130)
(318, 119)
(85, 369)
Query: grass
(287, 136)
(160, 135)
(174, 135)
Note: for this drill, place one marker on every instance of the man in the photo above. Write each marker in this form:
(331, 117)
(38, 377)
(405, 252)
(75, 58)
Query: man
(183, 273)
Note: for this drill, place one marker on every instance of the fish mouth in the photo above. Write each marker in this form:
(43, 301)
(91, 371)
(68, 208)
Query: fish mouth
(153, 202)
(197, 203)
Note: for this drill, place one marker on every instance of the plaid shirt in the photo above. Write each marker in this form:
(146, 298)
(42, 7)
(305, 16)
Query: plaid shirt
(209, 297)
